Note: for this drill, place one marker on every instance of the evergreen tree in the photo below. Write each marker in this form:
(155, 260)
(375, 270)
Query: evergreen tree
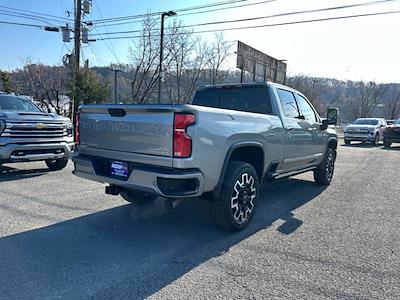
(5, 82)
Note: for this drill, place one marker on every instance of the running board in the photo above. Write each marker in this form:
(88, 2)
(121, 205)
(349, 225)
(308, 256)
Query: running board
(295, 172)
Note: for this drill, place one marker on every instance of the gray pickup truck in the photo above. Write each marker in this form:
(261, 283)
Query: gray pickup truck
(28, 134)
(221, 147)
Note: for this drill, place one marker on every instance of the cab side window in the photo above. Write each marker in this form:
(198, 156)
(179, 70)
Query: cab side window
(289, 105)
(306, 110)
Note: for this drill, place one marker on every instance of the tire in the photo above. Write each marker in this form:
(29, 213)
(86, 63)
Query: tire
(387, 143)
(323, 174)
(347, 142)
(56, 164)
(236, 206)
(375, 142)
(138, 198)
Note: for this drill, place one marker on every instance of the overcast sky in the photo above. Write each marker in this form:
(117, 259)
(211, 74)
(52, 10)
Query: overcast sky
(365, 48)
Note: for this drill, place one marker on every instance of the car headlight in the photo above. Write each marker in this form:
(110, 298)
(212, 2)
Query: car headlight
(2, 126)
(68, 127)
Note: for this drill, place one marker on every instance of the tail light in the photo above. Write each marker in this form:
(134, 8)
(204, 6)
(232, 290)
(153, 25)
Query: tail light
(182, 142)
(77, 128)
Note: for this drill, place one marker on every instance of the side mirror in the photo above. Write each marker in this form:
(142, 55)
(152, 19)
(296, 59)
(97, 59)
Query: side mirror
(332, 116)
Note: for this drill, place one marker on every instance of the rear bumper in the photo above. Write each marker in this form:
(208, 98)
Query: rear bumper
(165, 182)
(34, 152)
(393, 139)
(393, 136)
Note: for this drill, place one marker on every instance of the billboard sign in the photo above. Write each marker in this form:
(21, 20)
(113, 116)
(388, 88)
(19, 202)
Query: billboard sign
(260, 64)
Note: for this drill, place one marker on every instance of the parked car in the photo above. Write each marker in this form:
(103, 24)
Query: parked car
(392, 134)
(220, 147)
(390, 122)
(365, 130)
(28, 134)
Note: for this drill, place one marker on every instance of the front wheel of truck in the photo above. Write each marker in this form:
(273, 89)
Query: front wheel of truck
(138, 198)
(236, 206)
(323, 174)
(56, 164)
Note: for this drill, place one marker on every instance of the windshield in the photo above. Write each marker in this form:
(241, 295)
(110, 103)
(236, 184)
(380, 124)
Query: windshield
(366, 122)
(13, 103)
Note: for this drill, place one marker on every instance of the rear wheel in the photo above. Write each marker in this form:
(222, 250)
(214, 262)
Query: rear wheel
(138, 198)
(323, 174)
(387, 143)
(347, 142)
(56, 164)
(236, 206)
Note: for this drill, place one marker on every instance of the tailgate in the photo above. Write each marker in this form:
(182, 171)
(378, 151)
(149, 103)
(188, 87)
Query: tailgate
(142, 129)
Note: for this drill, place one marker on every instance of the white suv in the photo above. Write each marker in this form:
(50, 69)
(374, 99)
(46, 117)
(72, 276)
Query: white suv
(365, 130)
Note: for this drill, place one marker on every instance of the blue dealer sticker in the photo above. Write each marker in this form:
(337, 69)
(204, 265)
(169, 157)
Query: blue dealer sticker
(119, 169)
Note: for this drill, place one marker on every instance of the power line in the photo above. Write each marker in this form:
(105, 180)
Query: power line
(6, 13)
(98, 57)
(224, 8)
(111, 47)
(269, 16)
(192, 13)
(159, 12)
(35, 13)
(274, 24)
(22, 24)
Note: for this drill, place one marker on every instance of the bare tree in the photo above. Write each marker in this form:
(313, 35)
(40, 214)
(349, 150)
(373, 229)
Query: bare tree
(47, 85)
(310, 87)
(144, 54)
(368, 96)
(187, 60)
(393, 104)
(219, 52)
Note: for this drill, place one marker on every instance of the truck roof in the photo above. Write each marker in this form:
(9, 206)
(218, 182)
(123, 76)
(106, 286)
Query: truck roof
(244, 84)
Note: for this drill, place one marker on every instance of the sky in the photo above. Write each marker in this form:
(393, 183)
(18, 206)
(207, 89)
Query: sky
(366, 48)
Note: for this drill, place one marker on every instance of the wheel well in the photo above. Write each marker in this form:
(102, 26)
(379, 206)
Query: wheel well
(332, 144)
(251, 154)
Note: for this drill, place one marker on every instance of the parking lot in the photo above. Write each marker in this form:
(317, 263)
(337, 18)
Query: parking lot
(62, 237)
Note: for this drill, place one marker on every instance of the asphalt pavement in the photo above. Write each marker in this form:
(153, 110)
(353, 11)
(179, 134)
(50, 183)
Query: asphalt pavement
(61, 237)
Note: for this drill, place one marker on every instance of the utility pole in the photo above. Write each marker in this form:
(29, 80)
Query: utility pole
(77, 51)
(115, 70)
(163, 15)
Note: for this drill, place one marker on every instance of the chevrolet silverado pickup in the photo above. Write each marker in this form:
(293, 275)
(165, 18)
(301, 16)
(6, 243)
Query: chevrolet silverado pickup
(221, 147)
(28, 134)
(365, 130)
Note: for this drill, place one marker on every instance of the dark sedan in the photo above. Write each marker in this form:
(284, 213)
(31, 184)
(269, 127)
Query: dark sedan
(392, 134)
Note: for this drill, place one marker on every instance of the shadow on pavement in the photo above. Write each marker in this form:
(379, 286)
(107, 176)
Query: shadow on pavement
(10, 174)
(362, 145)
(129, 253)
(392, 148)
